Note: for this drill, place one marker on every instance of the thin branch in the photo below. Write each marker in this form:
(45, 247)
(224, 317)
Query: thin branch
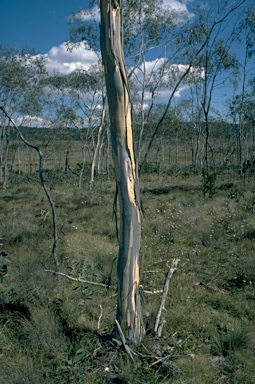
(126, 347)
(100, 316)
(160, 320)
(155, 292)
(79, 279)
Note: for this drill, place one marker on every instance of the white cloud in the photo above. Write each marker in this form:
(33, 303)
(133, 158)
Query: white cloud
(175, 5)
(155, 69)
(169, 77)
(88, 15)
(163, 94)
(151, 67)
(65, 61)
(180, 9)
(32, 121)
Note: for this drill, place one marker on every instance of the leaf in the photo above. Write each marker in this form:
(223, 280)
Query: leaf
(78, 358)
(81, 350)
(3, 269)
(79, 355)
(69, 361)
(80, 370)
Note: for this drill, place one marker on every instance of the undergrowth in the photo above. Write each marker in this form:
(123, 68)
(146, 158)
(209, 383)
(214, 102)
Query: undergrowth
(55, 330)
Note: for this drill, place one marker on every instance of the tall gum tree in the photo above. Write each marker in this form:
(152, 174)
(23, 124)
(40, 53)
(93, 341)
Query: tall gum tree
(129, 312)
(21, 86)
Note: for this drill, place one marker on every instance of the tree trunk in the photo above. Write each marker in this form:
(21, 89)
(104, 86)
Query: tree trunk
(2, 136)
(83, 165)
(97, 147)
(5, 165)
(177, 150)
(107, 160)
(67, 160)
(129, 313)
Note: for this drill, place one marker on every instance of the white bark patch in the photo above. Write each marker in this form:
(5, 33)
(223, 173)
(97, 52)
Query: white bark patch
(128, 124)
(135, 283)
(114, 13)
(130, 181)
(126, 289)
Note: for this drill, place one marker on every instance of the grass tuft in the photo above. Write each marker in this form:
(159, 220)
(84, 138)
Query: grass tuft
(55, 330)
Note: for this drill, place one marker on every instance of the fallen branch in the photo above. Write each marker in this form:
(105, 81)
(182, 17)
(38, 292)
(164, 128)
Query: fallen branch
(79, 279)
(160, 360)
(154, 292)
(100, 316)
(160, 320)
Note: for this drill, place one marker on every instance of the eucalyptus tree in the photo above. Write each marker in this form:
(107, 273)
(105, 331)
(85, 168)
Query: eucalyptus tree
(192, 113)
(250, 119)
(148, 31)
(249, 113)
(150, 50)
(22, 77)
(145, 28)
(22, 81)
(129, 311)
(216, 61)
(79, 103)
(245, 38)
(241, 113)
(87, 96)
(199, 35)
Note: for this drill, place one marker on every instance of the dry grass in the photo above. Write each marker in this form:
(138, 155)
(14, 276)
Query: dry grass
(49, 324)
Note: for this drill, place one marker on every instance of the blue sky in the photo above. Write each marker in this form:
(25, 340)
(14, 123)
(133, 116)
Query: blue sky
(38, 24)
(43, 25)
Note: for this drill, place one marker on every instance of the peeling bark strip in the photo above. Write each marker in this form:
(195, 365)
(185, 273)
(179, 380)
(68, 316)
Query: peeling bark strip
(129, 313)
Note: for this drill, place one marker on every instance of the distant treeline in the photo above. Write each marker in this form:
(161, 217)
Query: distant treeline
(217, 130)
(43, 134)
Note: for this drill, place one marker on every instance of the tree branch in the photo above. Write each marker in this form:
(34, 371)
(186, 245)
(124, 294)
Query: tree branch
(160, 320)
(79, 280)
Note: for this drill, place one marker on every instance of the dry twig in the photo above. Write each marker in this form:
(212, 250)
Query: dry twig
(79, 279)
(160, 320)
(100, 316)
(154, 292)
(129, 351)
